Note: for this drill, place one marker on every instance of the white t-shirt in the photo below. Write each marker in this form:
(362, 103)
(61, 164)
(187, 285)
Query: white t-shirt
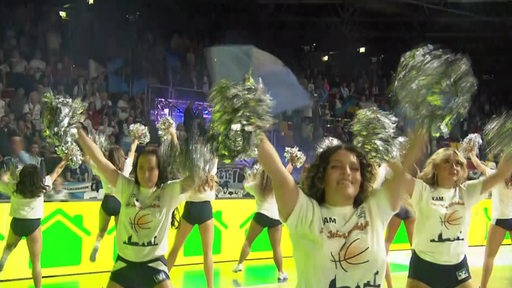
(442, 220)
(25, 208)
(201, 196)
(382, 173)
(37, 64)
(145, 218)
(340, 246)
(107, 188)
(501, 200)
(267, 204)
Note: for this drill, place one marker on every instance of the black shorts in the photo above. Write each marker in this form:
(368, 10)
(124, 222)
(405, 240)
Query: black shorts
(403, 213)
(111, 205)
(197, 212)
(265, 221)
(503, 223)
(24, 227)
(139, 274)
(438, 275)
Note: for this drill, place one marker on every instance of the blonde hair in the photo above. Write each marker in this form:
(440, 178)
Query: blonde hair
(429, 175)
(208, 183)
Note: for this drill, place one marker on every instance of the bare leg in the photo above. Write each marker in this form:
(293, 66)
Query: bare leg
(254, 231)
(275, 240)
(179, 239)
(104, 221)
(35, 243)
(496, 236)
(165, 284)
(206, 231)
(12, 242)
(412, 283)
(392, 228)
(112, 284)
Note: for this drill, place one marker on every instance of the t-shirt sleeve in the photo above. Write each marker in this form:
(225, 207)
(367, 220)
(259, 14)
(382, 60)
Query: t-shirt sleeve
(251, 187)
(7, 187)
(173, 189)
(48, 182)
(123, 187)
(306, 216)
(380, 205)
(420, 190)
(473, 195)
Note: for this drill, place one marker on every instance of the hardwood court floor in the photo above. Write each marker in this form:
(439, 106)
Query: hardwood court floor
(262, 273)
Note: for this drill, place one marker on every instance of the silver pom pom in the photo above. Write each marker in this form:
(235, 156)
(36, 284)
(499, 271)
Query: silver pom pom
(241, 111)
(101, 139)
(294, 156)
(69, 150)
(60, 116)
(434, 87)
(165, 126)
(251, 173)
(140, 133)
(326, 143)
(471, 144)
(374, 133)
(498, 133)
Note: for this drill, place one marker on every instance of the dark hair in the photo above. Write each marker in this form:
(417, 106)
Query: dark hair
(116, 156)
(162, 178)
(313, 180)
(30, 184)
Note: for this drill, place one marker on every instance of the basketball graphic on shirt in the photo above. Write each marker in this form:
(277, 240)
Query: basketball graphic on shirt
(451, 219)
(141, 221)
(352, 253)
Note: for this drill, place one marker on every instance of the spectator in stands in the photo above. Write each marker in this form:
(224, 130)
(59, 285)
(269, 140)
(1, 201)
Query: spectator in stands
(33, 107)
(18, 103)
(5, 134)
(58, 191)
(123, 108)
(18, 157)
(79, 89)
(37, 65)
(79, 174)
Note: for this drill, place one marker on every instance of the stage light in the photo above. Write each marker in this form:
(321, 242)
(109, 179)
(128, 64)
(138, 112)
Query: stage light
(63, 14)
(362, 49)
(90, 2)
(325, 58)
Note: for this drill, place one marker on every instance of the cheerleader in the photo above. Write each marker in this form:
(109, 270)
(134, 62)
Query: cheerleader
(146, 213)
(198, 211)
(267, 216)
(336, 223)
(501, 222)
(110, 205)
(442, 200)
(27, 205)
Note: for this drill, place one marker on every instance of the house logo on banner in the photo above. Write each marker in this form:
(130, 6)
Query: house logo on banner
(231, 181)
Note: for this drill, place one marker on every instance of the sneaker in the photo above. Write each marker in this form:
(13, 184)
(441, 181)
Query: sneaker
(94, 251)
(238, 268)
(282, 277)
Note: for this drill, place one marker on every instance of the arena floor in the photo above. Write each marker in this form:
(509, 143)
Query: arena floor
(262, 273)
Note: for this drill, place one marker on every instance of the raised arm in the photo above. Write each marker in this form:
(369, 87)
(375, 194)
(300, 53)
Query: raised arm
(285, 189)
(94, 152)
(504, 170)
(400, 181)
(133, 147)
(56, 172)
(481, 167)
